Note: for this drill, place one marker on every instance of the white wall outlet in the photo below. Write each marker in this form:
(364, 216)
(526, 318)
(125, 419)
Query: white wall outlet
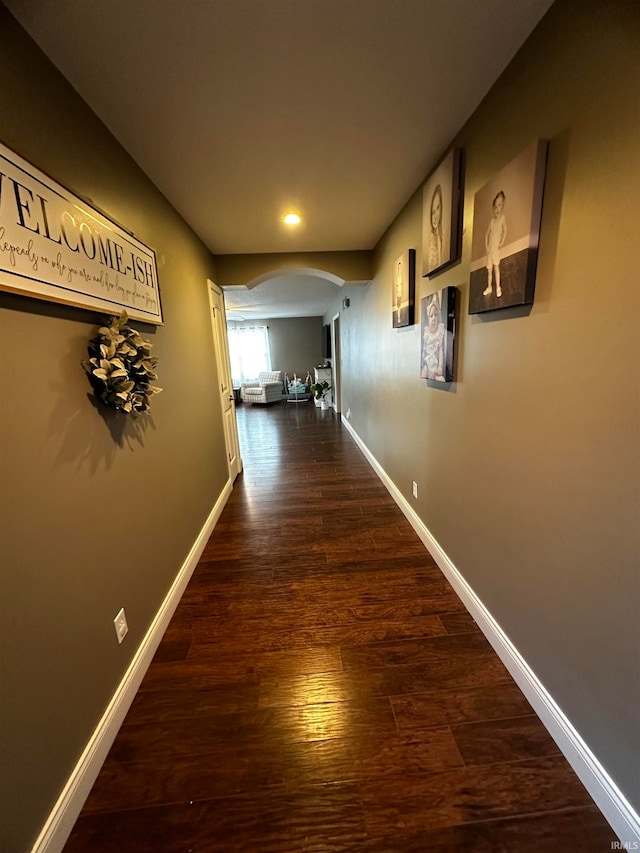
(120, 624)
(348, 414)
(415, 489)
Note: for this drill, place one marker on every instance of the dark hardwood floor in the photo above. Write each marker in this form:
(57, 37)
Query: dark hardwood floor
(322, 688)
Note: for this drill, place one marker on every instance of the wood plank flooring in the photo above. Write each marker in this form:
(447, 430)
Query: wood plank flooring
(322, 688)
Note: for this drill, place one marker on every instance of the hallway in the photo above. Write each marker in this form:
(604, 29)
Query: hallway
(321, 686)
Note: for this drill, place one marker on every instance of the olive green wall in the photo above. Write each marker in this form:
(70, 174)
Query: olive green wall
(527, 466)
(97, 512)
(295, 342)
(241, 269)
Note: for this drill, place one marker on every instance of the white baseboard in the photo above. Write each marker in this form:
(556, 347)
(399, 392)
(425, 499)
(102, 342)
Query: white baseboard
(64, 814)
(614, 806)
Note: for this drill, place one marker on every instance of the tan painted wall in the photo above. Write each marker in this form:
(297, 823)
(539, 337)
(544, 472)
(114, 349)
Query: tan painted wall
(528, 466)
(95, 513)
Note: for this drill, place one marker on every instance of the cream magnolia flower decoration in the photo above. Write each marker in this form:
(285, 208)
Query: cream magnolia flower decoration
(120, 367)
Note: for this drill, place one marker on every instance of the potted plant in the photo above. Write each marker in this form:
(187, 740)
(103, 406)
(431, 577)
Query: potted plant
(320, 391)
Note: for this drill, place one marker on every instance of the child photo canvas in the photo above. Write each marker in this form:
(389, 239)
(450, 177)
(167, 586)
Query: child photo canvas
(403, 287)
(441, 215)
(438, 329)
(506, 231)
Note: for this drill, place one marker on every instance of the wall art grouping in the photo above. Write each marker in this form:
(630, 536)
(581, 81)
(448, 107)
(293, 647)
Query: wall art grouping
(506, 229)
(403, 289)
(441, 210)
(438, 328)
(504, 250)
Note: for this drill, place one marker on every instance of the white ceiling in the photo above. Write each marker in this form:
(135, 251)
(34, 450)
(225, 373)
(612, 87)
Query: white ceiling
(239, 110)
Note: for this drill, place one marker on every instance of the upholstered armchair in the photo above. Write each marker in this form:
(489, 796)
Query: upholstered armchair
(268, 388)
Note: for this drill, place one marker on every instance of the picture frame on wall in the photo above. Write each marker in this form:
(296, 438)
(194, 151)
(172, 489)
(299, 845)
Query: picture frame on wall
(403, 289)
(438, 333)
(506, 230)
(441, 209)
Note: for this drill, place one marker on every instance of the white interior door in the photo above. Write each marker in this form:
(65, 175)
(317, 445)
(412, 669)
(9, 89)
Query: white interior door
(227, 401)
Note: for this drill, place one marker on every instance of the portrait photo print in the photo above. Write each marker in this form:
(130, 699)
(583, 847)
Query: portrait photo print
(441, 215)
(403, 287)
(506, 231)
(438, 330)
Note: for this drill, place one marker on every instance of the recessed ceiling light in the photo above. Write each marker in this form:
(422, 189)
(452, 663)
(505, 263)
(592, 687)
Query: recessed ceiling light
(292, 219)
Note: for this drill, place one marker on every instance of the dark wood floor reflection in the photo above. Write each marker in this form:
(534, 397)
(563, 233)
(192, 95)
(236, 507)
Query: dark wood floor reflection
(322, 688)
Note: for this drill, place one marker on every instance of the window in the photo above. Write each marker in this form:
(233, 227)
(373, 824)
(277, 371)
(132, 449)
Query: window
(249, 352)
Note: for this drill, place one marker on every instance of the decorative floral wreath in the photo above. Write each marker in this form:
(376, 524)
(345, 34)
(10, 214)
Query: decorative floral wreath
(120, 368)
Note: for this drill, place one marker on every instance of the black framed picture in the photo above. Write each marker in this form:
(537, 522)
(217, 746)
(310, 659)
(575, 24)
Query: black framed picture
(438, 328)
(403, 289)
(506, 232)
(441, 197)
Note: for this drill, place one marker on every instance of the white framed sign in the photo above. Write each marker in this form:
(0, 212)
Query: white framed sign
(55, 246)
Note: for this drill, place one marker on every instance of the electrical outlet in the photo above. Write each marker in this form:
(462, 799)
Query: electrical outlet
(348, 414)
(120, 624)
(415, 489)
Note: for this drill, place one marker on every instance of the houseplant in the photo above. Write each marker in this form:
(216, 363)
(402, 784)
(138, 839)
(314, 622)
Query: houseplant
(320, 392)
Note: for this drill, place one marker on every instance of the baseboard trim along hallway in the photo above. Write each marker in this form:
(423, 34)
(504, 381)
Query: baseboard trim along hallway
(64, 814)
(605, 793)
(322, 685)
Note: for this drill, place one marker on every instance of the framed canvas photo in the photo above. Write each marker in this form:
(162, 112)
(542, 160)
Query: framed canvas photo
(403, 289)
(441, 215)
(506, 231)
(438, 327)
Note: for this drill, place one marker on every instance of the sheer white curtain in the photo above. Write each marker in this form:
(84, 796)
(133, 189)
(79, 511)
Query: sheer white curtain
(249, 352)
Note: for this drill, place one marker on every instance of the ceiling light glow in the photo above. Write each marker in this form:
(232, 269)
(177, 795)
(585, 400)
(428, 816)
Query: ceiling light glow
(292, 219)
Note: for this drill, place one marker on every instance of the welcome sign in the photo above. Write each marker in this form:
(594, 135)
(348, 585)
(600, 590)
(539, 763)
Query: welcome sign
(54, 246)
